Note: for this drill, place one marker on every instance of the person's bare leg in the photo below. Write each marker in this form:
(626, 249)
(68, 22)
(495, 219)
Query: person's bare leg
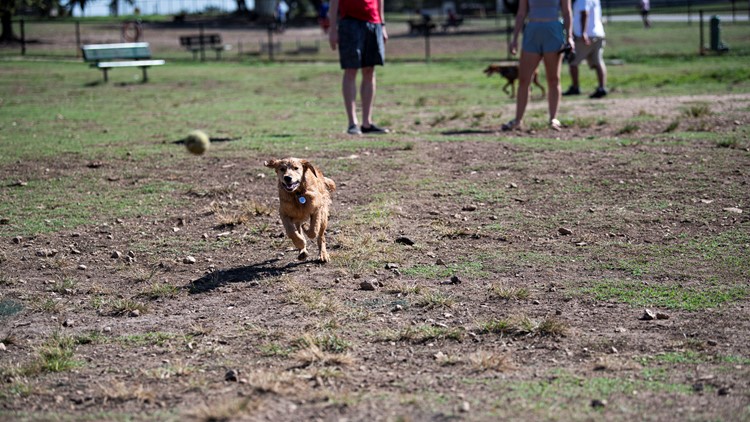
(526, 67)
(601, 74)
(349, 89)
(552, 65)
(574, 81)
(367, 93)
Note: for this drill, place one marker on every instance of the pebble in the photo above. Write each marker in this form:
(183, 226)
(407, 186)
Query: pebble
(469, 207)
(733, 210)
(232, 375)
(46, 253)
(465, 407)
(661, 315)
(565, 231)
(135, 313)
(68, 322)
(648, 315)
(82, 267)
(116, 254)
(188, 260)
(17, 240)
(404, 240)
(2, 347)
(598, 404)
(369, 285)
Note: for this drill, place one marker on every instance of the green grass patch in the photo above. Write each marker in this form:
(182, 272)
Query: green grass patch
(44, 205)
(432, 272)
(665, 296)
(420, 334)
(565, 392)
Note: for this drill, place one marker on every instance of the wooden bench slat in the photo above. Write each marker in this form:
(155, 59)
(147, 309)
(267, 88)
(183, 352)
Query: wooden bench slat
(132, 63)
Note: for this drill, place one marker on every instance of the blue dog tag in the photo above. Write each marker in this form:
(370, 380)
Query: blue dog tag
(302, 199)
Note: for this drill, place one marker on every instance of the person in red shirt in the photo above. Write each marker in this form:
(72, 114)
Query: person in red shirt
(358, 31)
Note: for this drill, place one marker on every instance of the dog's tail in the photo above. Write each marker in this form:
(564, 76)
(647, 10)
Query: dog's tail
(330, 184)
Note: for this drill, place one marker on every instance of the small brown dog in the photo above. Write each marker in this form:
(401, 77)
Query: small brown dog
(509, 70)
(304, 196)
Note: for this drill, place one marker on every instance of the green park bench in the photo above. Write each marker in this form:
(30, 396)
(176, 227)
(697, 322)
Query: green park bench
(110, 56)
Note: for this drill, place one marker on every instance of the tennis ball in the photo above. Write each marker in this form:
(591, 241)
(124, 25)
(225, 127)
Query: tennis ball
(197, 142)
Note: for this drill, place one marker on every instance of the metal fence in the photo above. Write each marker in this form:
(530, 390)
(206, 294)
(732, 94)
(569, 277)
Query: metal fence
(485, 37)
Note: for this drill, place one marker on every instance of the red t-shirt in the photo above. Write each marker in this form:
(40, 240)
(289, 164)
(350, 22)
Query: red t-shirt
(364, 10)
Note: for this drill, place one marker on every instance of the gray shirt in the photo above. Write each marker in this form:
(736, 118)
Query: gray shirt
(544, 9)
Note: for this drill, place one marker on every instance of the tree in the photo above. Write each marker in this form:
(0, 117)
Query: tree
(8, 9)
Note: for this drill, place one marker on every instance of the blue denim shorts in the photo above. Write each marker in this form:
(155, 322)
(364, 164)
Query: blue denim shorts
(360, 44)
(543, 37)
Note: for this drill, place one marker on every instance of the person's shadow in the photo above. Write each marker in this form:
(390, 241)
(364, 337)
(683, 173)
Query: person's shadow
(255, 272)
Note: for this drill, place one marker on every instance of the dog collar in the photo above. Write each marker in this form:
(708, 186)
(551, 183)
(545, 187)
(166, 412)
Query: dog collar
(301, 199)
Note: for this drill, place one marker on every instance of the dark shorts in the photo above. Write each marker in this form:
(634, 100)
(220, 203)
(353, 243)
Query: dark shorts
(543, 37)
(360, 44)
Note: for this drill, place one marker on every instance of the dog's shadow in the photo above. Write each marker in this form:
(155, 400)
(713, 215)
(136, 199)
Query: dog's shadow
(266, 269)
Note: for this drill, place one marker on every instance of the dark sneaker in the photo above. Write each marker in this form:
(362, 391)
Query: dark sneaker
(354, 130)
(374, 129)
(599, 93)
(573, 90)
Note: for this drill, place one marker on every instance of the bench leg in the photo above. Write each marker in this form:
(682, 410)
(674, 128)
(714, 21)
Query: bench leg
(145, 76)
(104, 69)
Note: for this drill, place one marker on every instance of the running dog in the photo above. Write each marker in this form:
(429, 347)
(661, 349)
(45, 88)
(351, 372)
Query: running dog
(304, 201)
(509, 70)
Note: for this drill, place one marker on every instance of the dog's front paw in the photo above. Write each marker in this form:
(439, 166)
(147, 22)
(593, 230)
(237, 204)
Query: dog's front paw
(302, 255)
(324, 257)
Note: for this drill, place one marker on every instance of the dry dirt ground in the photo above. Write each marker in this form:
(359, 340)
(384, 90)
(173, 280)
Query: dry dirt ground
(464, 282)
(468, 281)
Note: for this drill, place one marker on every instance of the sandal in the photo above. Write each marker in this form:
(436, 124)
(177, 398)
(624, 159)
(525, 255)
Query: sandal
(511, 125)
(555, 124)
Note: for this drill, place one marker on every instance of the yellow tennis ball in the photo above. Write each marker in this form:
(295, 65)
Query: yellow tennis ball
(197, 142)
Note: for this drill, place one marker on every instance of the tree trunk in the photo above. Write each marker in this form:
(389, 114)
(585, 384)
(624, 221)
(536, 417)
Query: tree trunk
(7, 23)
(241, 6)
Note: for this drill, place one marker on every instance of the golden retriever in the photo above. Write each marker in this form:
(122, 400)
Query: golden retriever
(509, 70)
(304, 196)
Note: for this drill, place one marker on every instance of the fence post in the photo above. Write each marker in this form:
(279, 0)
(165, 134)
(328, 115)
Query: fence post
(701, 50)
(202, 43)
(271, 28)
(427, 43)
(734, 18)
(23, 38)
(690, 20)
(78, 39)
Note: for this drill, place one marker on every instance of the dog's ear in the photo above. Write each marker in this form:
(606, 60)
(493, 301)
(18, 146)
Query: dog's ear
(273, 163)
(308, 166)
